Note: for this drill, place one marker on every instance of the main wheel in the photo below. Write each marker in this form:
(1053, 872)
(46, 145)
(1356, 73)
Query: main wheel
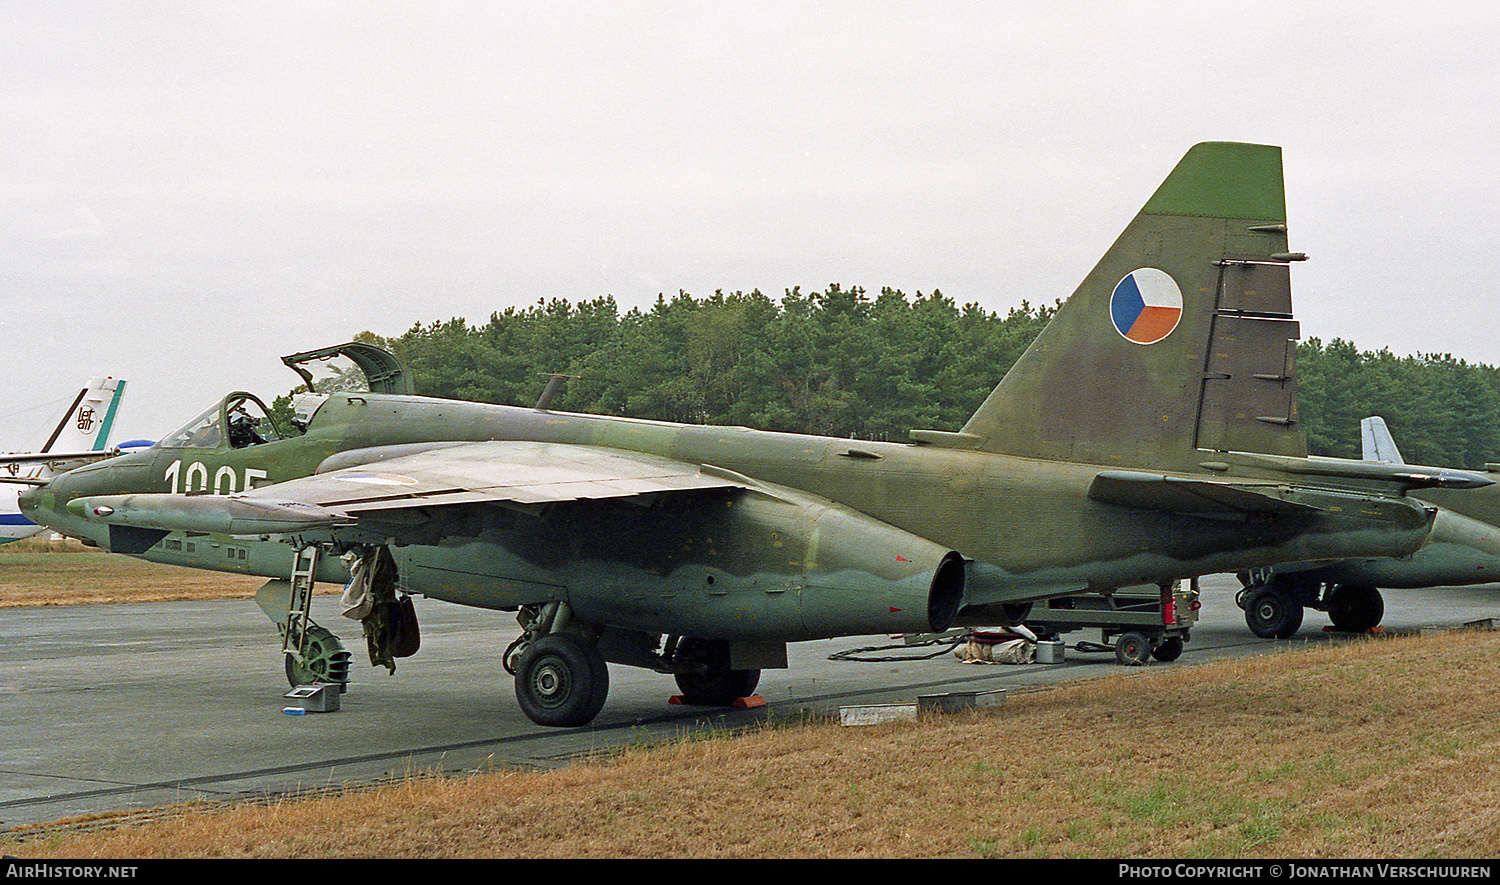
(1355, 608)
(1133, 649)
(561, 681)
(705, 677)
(1168, 650)
(1272, 612)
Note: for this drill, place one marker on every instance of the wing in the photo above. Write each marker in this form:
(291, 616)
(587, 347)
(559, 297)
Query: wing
(511, 472)
(51, 464)
(508, 472)
(72, 459)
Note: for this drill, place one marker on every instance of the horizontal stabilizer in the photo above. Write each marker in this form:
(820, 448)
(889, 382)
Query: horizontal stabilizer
(1402, 476)
(71, 459)
(1378, 444)
(1153, 491)
(7, 479)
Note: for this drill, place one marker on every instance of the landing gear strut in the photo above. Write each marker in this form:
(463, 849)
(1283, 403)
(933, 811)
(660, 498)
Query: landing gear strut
(1274, 604)
(561, 679)
(561, 676)
(313, 653)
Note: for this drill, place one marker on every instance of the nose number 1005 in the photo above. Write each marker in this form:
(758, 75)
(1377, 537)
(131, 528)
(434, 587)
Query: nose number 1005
(196, 478)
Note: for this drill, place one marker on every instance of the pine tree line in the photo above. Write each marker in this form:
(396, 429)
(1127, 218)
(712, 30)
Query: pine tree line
(843, 363)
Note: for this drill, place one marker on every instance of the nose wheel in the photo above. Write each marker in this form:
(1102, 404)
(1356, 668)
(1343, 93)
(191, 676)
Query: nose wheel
(323, 660)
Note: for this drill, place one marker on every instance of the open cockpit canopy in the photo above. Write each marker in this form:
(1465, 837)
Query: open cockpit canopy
(241, 419)
(350, 367)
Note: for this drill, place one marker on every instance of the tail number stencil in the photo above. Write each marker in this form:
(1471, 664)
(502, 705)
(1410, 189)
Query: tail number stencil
(195, 478)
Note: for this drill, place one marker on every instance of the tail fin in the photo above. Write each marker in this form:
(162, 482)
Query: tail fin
(1180, 340)
(85, 427)
(1377, 442)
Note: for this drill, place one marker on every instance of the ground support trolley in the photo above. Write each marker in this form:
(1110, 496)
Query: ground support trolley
(1143, 622)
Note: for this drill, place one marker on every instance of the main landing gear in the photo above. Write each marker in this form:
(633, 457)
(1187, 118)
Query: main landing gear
(1355, 608)
(704, 675)
(561, 681)
(561, 677)
(1274, 604)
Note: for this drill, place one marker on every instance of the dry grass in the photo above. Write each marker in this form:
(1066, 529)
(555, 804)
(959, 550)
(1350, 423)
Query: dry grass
(39, 572)
(1376, 749)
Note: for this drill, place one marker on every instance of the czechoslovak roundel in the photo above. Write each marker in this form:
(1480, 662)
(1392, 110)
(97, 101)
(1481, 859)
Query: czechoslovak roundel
(1146, 305)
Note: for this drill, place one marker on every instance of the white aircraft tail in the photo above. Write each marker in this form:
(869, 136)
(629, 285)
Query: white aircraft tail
(84, 427)
(1377, 441)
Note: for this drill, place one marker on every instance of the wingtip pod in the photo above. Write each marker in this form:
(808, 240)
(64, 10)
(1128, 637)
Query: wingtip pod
(1181, 339)
(214, 514)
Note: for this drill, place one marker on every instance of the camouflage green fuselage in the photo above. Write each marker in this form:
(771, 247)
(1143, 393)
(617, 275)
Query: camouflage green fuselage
(735, 566)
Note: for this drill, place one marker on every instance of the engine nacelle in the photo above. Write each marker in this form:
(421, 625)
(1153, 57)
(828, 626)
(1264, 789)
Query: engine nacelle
(759, 563)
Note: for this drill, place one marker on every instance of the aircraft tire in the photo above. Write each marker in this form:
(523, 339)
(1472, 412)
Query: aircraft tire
(1168, 650)
(561, 681)
(1272, 612)
(710, 682)
(1355, 608)
(1133, 649)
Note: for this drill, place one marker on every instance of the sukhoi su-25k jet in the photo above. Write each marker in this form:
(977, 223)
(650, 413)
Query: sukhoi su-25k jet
(1148, 435)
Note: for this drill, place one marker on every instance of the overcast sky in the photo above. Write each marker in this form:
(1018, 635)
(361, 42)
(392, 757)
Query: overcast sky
(190, 190)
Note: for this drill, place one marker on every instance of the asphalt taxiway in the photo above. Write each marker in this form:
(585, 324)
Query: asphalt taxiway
(115, 707)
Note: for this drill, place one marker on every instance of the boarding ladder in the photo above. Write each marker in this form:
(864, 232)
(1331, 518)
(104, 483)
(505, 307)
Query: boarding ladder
(299, 601)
